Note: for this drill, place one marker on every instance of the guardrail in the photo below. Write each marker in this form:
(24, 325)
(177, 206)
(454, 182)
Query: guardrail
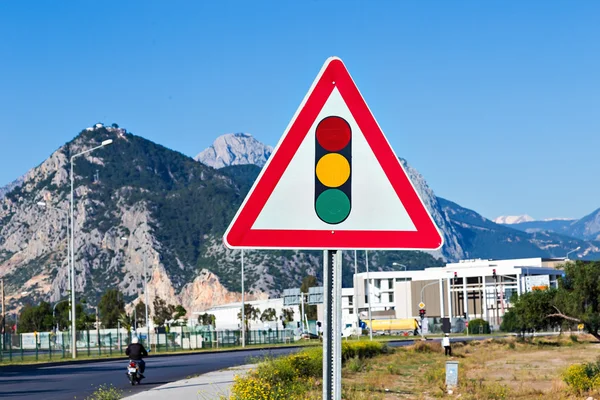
(54, 346)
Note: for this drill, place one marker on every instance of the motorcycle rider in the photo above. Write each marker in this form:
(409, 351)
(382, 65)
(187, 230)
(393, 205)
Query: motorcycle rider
(136, 351)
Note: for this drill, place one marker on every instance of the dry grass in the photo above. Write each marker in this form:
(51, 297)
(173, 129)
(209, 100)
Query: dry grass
(490, 369)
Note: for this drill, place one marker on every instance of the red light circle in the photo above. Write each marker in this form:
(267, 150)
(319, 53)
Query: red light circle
(333, 133)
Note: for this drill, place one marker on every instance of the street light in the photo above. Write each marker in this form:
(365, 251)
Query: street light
(422, 289)
(66, 214)
(578, 247)
(406, 289)
(369, 296)
(73, 332)
(54, 311)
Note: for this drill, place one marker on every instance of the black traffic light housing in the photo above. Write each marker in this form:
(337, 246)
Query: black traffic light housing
(422, 313)
(333, 170)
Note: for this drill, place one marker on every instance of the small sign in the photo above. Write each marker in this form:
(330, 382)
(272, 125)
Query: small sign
(421, 305)
(315, 295)
(580, 327)
(291, 297)
(451, 374)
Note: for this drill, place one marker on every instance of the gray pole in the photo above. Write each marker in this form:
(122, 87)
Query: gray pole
(354, 282)
(72, 266)
(369, 295)
(73, 332)
(243, 306)
(332, 345)
(146, 301)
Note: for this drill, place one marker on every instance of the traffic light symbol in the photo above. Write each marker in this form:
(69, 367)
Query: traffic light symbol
(333, 170)
(422, 313)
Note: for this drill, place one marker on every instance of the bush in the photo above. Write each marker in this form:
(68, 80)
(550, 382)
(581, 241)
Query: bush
(479, 325)
(426, 347)
(583, 377)
(362, 350)
(105, 392)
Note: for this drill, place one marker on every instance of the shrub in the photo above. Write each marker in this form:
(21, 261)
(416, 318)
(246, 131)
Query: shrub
(426, 347)
(583, 377)
(574, 338)
(362, 350)
(356, 364)
(106, 392)
(479, 325)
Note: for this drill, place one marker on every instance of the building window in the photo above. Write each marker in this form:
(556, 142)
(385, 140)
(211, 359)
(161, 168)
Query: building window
(350, 300)
(351, 311)
(391, 297)
(366, 299)
(390, 283)
(378, 283)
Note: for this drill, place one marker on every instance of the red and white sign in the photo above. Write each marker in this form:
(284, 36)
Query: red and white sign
(367, 200)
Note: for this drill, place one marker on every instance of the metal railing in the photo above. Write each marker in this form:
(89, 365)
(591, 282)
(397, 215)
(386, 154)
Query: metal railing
(112, 342)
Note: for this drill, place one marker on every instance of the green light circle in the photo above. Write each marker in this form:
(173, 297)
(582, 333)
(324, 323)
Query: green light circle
(332, 206)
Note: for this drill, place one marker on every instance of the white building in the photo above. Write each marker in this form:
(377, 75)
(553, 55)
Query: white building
(475, 288)
(226, 315)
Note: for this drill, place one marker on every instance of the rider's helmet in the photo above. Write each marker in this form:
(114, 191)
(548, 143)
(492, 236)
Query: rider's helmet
(134, 339)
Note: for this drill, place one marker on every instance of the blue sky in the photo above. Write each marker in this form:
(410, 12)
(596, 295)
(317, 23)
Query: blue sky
(495, 103)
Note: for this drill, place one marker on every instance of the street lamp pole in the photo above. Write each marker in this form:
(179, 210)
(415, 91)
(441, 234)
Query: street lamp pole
(369, 295)
(422, 289)
(243, 311)
(54, 311)
(355, 292)
(73, 327)
(406, 288)
(572, 251)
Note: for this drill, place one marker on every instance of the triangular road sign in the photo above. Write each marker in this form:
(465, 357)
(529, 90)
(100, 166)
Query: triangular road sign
(333, 181)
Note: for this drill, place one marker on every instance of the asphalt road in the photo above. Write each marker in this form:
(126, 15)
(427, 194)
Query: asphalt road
(62, 382)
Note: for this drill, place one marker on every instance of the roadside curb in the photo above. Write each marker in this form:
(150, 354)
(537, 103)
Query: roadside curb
(17, 367)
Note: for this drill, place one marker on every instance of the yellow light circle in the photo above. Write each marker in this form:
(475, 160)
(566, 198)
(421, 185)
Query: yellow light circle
(333, 170)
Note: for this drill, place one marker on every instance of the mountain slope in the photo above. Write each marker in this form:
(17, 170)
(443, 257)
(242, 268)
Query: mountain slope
(482, 238)
(140, 204)
(235, 149)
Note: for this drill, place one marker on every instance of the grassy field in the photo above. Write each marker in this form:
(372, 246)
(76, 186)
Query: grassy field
(488, 369)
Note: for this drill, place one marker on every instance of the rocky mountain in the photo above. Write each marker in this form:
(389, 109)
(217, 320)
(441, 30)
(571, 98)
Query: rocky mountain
(10, 186)
(586, 228)
(482, 238)
(235, 149)
(512, 219)
(467, 234)
(140, 206)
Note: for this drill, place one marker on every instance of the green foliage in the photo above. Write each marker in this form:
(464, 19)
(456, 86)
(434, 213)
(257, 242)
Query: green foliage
(207, 319)
(36, 318)
(531, 311)
(268, 315)
(251, 313)
(583, 377)
(579, 294)
(84, 319)
(140, 314)
(162, 311)
(106, 392)
(110, 308)
(290, 377)
(180, 311)
(479, 325)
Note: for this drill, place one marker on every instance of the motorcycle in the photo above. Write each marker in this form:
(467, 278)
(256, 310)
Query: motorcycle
(133, 373)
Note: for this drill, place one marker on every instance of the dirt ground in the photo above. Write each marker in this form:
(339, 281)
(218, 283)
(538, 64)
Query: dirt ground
(489, 369)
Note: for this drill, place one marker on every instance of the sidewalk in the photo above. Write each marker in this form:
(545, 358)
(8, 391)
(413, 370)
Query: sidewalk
(210, 386)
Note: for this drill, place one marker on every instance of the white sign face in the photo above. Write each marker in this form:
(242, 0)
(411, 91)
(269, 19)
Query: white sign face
(537, 282)
(375, 206)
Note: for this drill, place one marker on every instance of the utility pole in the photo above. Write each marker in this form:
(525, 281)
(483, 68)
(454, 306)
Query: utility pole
(369, 296)
(243, 306)
(355, 295)
(3, 327)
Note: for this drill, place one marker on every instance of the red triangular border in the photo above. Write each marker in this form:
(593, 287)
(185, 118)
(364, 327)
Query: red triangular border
(240, 235)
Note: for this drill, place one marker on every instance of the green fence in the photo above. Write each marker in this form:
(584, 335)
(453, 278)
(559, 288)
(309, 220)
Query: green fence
(47, 346)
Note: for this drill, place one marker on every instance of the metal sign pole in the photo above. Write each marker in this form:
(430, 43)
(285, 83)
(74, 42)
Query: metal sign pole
(332, 345)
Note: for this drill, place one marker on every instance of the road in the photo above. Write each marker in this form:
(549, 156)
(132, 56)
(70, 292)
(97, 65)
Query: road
(62, 382)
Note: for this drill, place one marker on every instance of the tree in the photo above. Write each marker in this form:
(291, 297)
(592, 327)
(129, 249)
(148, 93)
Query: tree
(207, 319)
(162, 311)
(251, 313)
(308, 282)
(140, 314)
(268, 315)
(531, 311)
(179, 312)
(126, 321)
(110, 308)
(578, 296)
(36, 318)
(287, 315)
